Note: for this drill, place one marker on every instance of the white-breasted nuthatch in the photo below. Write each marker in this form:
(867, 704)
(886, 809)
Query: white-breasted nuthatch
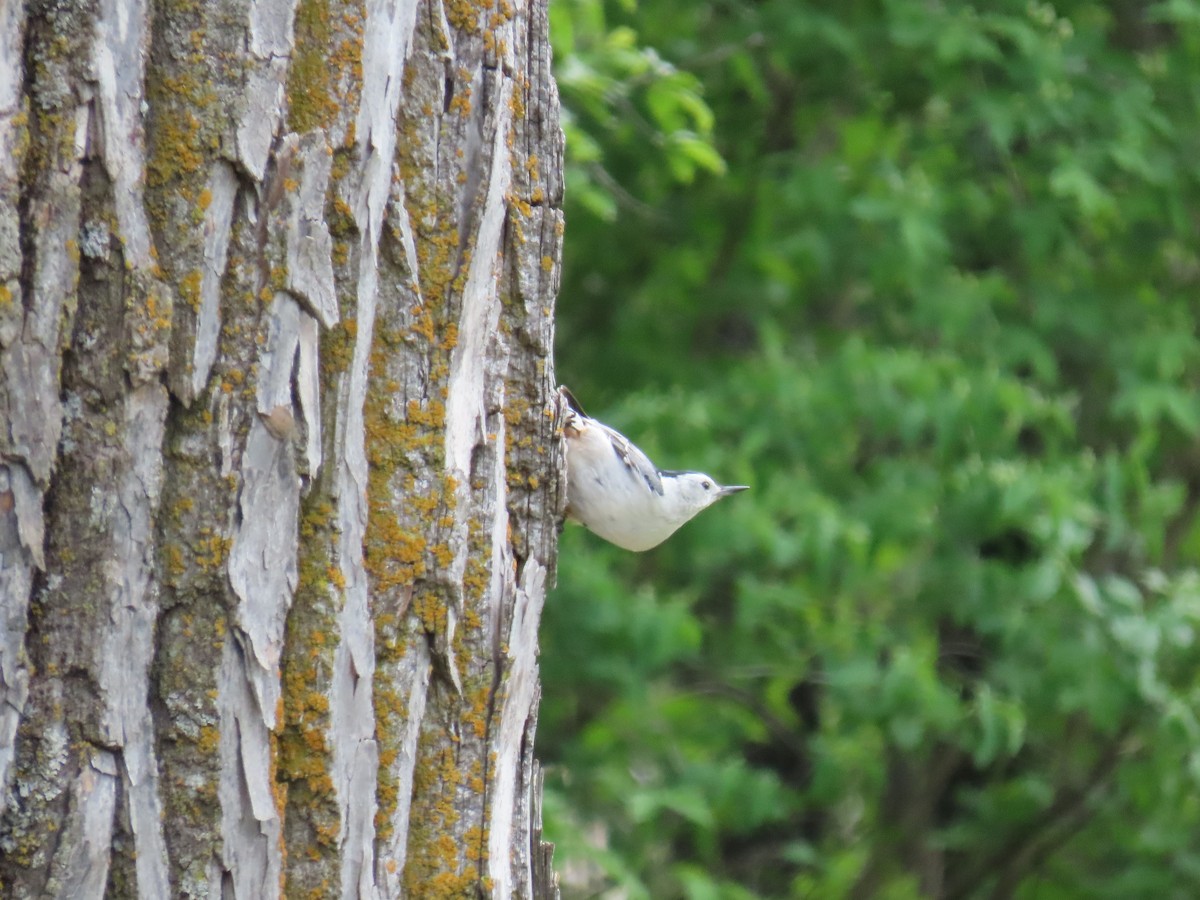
(614, 490)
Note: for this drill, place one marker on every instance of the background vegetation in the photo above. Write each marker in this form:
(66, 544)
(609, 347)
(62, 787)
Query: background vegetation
(925, 275)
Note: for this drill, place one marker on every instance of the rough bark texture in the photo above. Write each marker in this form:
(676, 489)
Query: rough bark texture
(279, 475)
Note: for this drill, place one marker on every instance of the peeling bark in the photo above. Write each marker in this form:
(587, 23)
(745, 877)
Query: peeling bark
(279, 472)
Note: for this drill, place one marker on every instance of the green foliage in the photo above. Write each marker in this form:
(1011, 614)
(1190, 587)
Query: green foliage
(620, 97)
(938, 308)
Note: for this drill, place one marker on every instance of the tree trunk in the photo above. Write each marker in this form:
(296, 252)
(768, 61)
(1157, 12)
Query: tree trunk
(279, 476)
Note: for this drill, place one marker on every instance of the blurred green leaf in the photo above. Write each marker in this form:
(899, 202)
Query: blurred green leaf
(924, 276)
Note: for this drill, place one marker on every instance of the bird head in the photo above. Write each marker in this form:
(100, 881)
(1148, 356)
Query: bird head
(693, 491)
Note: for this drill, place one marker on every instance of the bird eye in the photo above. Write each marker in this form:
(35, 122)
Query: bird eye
(707, 485)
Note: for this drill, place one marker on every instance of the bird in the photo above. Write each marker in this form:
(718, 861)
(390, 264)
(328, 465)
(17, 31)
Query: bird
(615, 491)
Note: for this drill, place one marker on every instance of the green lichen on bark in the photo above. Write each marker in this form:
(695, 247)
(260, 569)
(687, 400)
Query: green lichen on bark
(325, 78)
(196, 530)
(304, 754)
(193, 548)
(322, 93)
(448, 816)
(195, 75)
(64, 717)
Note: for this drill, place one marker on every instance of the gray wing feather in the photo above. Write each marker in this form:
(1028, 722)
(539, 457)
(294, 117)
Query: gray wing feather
(634, 458)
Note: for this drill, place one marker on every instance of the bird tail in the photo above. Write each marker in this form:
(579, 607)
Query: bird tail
(566, 394)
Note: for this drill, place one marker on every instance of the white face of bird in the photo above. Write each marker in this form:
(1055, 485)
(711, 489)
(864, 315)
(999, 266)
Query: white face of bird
(695, 491)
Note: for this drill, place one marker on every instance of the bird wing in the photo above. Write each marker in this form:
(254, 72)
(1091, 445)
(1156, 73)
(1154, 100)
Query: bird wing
(637, 461)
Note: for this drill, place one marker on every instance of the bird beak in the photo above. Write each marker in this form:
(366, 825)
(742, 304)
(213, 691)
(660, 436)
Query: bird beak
(733, 489)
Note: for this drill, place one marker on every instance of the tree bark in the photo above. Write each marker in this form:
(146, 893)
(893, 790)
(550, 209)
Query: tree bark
(279, 471)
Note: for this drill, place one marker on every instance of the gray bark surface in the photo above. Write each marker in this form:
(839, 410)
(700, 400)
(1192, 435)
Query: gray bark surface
(279, 471)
